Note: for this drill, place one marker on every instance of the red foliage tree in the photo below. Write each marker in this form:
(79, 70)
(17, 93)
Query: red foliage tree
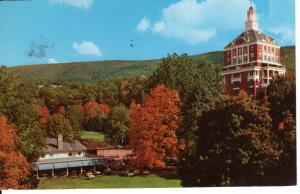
(61, 110)
(104, 108)
(44, 114)
(153, 128)
(91, 109)
(14, 169)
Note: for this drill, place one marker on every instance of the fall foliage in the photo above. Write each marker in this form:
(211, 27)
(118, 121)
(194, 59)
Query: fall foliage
(44, 114)
(153, 128)
(14, 169)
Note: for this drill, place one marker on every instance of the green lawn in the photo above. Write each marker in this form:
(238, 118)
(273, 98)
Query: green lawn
(92, 135)
(113, 181)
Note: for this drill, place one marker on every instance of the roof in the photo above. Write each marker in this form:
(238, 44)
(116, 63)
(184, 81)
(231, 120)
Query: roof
(114, 153)
(69, 159)
(69, 147)
(252, 36)
(58, 163)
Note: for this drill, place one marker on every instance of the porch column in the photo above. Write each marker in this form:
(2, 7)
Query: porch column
(81, 168)
(68, 169)
(53, 170)
(37, 174)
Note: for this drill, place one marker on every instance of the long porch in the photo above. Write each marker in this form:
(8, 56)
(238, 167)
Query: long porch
(58, 166)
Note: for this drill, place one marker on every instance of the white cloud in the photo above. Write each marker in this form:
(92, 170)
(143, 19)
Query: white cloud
(281, 21)
(52, 60)
(286, 33)
(74, 3)
(143, 25)
(87, 48)
(158, 27)
(194, 22)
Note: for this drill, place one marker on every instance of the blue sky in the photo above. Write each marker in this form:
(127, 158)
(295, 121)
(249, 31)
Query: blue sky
(50, 31)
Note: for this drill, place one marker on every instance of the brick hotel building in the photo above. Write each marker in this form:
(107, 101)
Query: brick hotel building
(251, 60)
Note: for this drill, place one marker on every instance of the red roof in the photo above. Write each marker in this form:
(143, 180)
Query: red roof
(116, 154)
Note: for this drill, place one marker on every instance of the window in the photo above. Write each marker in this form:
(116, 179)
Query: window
(234, 52)
(236, 84)
(240, 60)
(234, 60)
(79, 153)
(252, 57)
(240, 51)
(251, 72)
(251, 82)
(259, 56)
(245, 51)
(250, 91)
(236, 92)
(236, 75)
(245, 59)
(43, 156)
(70, 154)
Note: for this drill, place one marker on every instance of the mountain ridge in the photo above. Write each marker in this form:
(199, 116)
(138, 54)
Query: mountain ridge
(94, 71)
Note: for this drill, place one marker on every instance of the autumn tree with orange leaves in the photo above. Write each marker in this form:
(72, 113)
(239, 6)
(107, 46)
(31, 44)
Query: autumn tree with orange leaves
(14, 169)
(153, 128)
(95, 115)
(44, 114)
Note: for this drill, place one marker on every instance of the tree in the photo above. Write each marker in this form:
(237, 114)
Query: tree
(32, 142)
(234, 146)
(198, 84)
(122, 90)
(95, 116)
(118, 125)
(44, 114)
(285, 136)
(281, 94)
(76, 117)
(14, 169)
(18, 101)
(59, 124)
(153, 128)
(287, 140)
(108, 92)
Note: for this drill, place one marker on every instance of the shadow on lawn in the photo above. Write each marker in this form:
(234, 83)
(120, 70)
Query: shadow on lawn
(167, 174)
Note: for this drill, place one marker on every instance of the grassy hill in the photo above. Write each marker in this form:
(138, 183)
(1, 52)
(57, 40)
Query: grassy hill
(92, 72)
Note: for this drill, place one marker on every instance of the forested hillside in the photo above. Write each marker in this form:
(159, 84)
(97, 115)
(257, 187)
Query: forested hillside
(92, 72)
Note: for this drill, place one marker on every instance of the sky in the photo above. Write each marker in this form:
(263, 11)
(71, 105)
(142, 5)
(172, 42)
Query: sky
(54, 31)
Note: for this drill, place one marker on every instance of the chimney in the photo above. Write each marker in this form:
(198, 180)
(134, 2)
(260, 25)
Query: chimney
(60, 141)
